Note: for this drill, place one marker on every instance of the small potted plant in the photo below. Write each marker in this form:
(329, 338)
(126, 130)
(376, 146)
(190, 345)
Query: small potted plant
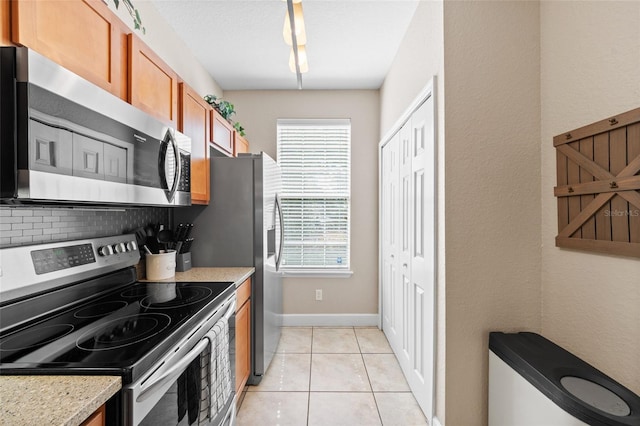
(225, 108)
(239, 128)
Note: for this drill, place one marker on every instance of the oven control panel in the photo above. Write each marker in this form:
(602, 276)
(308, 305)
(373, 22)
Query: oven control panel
(55, 259)
(30, 269)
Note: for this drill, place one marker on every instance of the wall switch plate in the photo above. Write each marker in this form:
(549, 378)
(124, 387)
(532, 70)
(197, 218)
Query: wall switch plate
(318, 294)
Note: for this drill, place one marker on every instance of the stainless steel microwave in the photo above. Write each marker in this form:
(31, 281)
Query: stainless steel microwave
(66, 140)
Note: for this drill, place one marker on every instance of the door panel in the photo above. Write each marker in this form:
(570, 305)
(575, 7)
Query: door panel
(409, 274)
(390, 227)
(420, 377)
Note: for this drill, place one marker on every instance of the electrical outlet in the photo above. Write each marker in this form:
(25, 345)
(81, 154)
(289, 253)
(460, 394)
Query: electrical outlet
(318, 294)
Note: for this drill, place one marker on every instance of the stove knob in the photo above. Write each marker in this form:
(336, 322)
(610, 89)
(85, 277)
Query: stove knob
(105, 251)
(120, 247)
(132, 246)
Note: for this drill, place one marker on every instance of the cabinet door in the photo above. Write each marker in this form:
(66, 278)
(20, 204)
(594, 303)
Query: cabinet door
(195, 114)
(5, 23)
(88, 157)
(49, 149)
(98, 418)
(243, 345)
(82, 36)
(222, 134)
(153, 85)
(241, 145)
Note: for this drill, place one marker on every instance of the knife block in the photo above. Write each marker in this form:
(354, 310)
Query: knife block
(183, 262)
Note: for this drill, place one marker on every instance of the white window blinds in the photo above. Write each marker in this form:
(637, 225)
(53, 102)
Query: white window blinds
(314, 156)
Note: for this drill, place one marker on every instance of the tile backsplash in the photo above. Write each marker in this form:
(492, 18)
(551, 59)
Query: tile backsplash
(22, 225)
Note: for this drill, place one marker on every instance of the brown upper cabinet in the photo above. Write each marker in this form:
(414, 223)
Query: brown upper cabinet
(195, 114)
(241, 145)
(222, 133)
(153, 85)
(5, 23)
(82, 36)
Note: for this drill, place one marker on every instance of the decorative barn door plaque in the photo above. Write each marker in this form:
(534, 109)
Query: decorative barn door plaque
(598, 172)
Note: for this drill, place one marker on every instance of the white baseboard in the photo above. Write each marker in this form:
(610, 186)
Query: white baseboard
(436, 422)
(323, 320)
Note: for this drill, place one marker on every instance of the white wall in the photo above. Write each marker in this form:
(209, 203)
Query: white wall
(590, 71)
(162, 39)
(258, 112)
(419, 59)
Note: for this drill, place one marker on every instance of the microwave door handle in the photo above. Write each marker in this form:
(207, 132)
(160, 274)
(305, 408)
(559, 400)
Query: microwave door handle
(279, 209)
(178, 173)
(170, 142)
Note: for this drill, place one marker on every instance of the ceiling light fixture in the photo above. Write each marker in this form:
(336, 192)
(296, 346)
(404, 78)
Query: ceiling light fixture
(301, 35)
(295, 36)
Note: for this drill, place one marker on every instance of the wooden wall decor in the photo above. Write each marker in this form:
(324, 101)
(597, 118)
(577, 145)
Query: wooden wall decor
(598, 186)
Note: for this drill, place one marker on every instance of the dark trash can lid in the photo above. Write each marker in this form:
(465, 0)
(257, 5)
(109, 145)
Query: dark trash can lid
(574, 385)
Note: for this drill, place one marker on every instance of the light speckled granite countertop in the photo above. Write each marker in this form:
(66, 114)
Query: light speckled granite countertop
(237, 275)
(69, 400)
(53, 400)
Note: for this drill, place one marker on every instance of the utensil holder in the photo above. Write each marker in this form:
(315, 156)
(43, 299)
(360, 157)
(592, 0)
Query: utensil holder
(161, 266)
(183, 262)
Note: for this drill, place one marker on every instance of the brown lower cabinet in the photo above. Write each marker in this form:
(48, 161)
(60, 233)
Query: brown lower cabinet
(243, 336)
(96, 419)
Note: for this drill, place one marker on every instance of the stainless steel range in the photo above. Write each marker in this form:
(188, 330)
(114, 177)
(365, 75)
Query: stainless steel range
(76, 308)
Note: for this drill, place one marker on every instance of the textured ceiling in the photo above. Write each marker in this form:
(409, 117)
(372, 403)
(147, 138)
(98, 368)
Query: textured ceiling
(350, 43)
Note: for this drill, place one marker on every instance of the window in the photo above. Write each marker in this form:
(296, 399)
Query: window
(314, 156)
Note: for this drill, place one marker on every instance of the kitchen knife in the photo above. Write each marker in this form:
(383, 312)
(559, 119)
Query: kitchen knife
(179, 236)
(187, 245)
(189, 227)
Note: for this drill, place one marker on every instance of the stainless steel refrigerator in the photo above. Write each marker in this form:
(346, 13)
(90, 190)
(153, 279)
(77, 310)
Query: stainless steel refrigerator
(242, 226)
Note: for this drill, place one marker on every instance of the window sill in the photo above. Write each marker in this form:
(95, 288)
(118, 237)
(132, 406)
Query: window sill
(316, 273)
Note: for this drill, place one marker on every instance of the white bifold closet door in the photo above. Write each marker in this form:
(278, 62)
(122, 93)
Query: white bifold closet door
(408, 247)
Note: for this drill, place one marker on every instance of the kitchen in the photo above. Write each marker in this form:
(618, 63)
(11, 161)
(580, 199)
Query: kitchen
(503, 90)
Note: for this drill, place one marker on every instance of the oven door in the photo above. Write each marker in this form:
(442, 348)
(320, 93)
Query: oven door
(167, 395)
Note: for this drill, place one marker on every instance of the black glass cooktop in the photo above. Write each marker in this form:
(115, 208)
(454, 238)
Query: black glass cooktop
(122, 332)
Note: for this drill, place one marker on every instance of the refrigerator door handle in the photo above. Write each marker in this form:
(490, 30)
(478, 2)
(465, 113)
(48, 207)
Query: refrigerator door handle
(279, 251)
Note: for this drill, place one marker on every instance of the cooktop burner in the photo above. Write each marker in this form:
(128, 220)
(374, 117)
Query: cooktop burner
(184, 297)
(123, 331)
(35, 337)
(100, 310)
(118, 332)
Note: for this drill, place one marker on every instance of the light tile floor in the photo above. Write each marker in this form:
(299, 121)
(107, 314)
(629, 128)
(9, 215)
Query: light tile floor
(325, 376)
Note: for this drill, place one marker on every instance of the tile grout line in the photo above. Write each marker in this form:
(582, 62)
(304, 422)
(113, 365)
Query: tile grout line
(368, 377)
(310, 370)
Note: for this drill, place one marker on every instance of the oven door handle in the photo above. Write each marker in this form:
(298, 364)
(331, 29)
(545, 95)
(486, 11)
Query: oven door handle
(177, 369)
(230, 311)
(174, 371)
